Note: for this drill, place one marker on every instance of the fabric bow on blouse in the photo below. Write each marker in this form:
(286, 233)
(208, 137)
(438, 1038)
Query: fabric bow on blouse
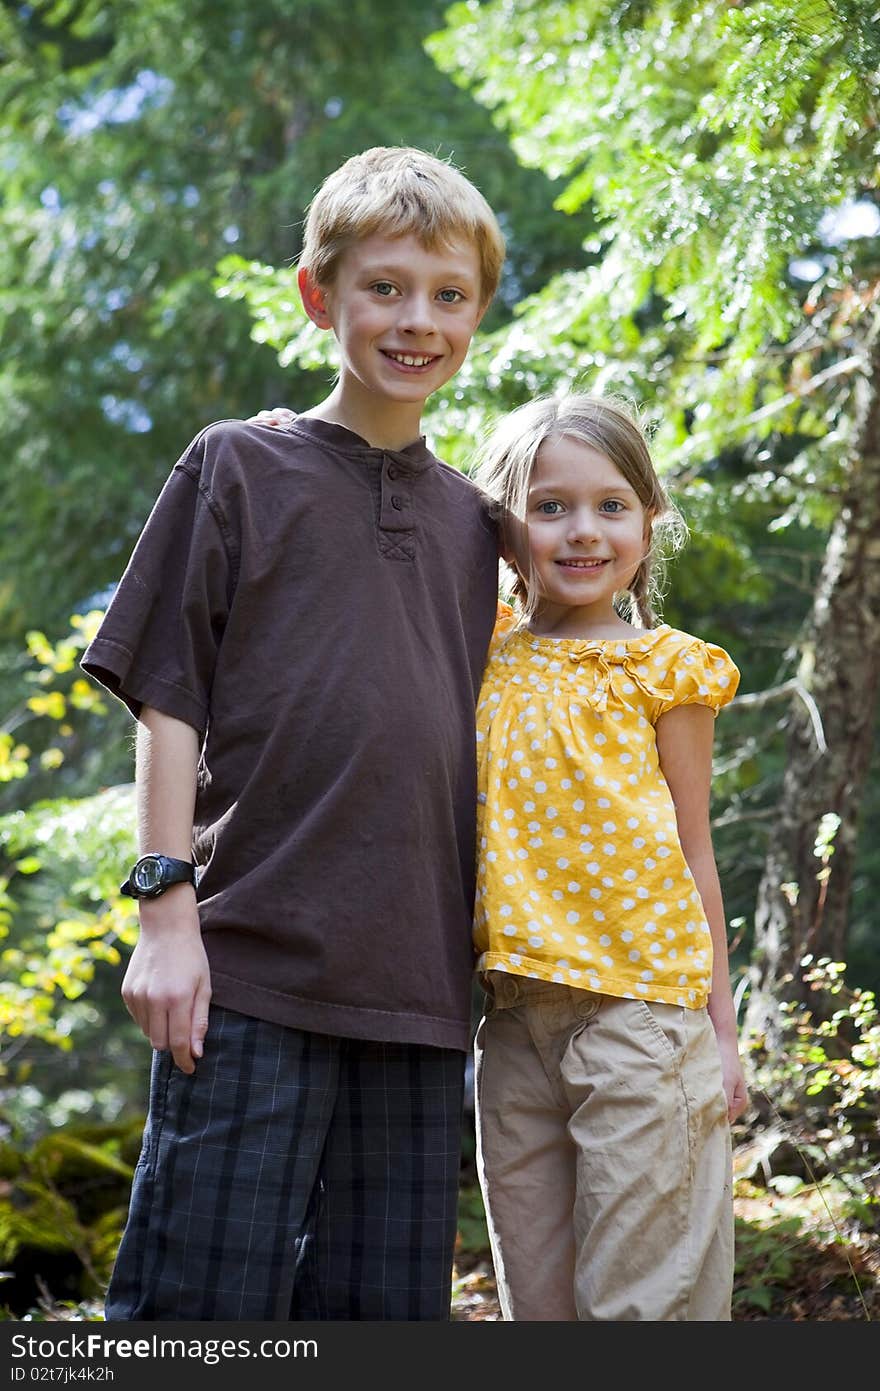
(611, 654)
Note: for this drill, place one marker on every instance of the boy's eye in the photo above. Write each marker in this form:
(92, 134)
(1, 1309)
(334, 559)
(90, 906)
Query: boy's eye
(450, 296)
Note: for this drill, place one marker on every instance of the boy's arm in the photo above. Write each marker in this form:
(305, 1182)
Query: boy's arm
(685, 736)
(167, 986)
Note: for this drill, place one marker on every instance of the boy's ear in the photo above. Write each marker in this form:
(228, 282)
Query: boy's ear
(312, 297)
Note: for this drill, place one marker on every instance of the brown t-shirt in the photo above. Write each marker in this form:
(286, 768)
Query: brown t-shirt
(320, 611)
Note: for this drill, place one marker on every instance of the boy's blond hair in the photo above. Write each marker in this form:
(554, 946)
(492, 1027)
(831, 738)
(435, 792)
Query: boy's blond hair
(398, 191)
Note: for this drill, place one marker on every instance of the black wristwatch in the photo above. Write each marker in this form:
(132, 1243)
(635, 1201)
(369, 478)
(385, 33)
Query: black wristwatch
(152, 874)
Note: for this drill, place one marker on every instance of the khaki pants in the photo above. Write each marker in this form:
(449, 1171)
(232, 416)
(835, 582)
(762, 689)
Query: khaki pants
(604, 1156)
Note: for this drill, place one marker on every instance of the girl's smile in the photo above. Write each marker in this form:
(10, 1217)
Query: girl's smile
(586, 534)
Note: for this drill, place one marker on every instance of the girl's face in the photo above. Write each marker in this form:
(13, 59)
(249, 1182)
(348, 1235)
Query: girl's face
(586, 531)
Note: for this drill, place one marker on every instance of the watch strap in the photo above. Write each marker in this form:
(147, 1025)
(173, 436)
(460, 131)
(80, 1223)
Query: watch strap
(173, 871)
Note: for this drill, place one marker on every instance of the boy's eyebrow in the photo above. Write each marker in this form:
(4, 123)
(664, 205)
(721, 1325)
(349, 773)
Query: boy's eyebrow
(449, 271)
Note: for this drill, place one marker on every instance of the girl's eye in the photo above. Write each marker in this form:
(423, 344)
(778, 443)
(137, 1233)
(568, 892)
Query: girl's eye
(450, 296)
(550, 508)
(384, 288)
(612, 505)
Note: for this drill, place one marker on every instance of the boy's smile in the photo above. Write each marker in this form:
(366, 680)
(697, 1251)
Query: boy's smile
(404, 316)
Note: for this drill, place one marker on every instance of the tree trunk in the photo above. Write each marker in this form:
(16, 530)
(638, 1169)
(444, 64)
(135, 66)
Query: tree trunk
(800, 909)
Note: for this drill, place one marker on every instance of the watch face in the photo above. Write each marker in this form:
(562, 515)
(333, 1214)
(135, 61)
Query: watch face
(147, 875)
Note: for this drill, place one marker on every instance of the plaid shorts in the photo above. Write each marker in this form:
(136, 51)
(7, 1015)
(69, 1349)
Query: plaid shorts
(294, 1176)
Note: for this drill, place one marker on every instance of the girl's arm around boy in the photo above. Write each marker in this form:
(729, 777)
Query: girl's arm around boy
(167, 986)
(684, 742)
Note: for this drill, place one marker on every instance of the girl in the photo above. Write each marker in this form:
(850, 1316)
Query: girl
(607, 1067)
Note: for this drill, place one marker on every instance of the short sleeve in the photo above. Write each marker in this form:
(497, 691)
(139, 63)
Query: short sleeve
(693, 672)
(158, 641)
(505, 622)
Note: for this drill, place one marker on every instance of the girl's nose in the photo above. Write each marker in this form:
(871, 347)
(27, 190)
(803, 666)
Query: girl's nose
(582, 525)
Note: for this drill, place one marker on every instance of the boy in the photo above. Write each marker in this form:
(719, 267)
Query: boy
(301, 632)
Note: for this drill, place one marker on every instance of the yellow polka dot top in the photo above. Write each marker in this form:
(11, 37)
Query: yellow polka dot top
(580, 876)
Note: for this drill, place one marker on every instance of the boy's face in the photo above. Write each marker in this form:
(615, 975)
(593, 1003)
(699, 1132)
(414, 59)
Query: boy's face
(404, 316)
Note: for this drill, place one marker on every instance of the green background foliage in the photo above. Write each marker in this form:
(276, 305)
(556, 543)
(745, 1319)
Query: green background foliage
(678, 185)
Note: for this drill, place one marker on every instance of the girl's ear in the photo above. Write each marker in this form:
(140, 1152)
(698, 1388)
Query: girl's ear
(313, 300)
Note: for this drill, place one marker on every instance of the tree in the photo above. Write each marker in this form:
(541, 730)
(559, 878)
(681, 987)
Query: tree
(711, 142)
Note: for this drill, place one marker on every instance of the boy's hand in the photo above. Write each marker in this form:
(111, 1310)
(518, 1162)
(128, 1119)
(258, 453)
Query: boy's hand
(279, 418)
(167, 986)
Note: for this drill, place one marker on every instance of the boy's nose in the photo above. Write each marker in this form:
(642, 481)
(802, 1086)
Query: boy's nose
(417, 315)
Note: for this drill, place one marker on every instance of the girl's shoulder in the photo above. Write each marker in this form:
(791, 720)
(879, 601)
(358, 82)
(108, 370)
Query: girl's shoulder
(506, 622)
(697, 670)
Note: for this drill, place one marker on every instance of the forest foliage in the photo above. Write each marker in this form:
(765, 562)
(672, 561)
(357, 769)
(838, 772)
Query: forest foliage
(690, 198)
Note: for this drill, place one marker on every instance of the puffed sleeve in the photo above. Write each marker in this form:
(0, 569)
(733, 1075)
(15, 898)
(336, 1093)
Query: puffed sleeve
(157, 644)
(505, 622)
(693, 672)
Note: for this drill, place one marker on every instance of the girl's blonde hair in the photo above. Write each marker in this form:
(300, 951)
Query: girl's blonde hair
(611, 426)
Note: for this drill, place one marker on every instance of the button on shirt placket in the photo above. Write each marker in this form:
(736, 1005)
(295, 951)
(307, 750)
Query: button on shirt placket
(396, 511)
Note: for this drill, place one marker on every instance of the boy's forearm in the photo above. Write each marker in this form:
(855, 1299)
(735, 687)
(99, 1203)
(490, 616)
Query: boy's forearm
(167, 758)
